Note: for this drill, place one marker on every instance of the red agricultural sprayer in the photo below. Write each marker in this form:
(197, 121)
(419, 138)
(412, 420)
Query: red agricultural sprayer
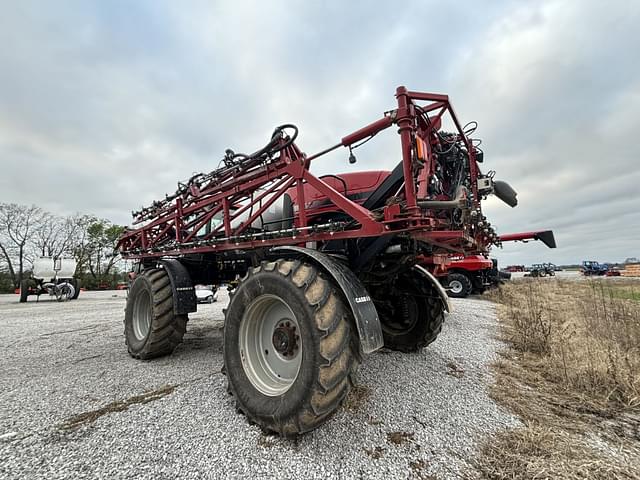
(329, 271)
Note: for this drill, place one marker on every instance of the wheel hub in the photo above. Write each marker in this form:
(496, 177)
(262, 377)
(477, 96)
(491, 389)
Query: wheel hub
(455, 286)
(285, 339)
(270, 345)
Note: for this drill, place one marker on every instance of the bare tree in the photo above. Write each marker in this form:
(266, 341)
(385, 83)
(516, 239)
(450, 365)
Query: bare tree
(17, 226)
(80, 242)
(56, 235)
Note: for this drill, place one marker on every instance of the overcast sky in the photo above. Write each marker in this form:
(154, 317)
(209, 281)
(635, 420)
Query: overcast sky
(104, 106)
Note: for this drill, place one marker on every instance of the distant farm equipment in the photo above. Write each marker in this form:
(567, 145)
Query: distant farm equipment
(542, 270)
(515, 268)
(592, 268)
(51, 276)
(475, 273)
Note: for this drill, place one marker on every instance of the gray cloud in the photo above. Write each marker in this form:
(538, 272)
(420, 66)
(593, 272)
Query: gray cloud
(104, 106)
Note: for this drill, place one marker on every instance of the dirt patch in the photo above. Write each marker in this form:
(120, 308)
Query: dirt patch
(418, 469)
(204, 331)
(455, 370)
(400, 438)
(375, 452)
(357, 397)
(118, 406)
(374, 421)
(198, 343)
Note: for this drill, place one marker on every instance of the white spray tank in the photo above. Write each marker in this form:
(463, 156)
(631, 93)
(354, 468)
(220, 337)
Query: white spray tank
(46, 268)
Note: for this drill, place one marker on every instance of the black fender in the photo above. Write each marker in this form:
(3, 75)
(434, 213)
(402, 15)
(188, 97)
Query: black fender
(442, 293)
(184, 294)
(362, 307)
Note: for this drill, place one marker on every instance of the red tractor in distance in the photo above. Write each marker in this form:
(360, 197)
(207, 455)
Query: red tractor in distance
(515, 268)
(475, 273)
(329, 268)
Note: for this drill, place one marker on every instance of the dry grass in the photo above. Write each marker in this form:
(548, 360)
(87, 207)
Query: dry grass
(572, 374)
(585, 335)
(536, 451)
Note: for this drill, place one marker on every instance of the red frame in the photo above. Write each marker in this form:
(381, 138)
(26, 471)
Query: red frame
(173, 227)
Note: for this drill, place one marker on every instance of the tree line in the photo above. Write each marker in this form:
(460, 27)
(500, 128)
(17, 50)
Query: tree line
(28, 232)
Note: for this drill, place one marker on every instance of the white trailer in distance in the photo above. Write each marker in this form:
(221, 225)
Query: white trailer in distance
(52, 276)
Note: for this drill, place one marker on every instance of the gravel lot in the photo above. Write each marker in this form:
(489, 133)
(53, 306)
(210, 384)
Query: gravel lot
(73, 404)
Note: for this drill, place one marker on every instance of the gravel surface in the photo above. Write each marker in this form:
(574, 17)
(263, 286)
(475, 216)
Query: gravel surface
(73, 404)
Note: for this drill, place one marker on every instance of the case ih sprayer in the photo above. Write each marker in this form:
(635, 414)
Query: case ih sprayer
(327, 274)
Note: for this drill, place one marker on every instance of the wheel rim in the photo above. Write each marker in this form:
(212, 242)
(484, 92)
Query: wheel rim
(142, 315)
(455, 286)
(270, 345)
(64, 292)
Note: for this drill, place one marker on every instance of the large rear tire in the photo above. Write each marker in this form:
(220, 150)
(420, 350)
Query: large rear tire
(288, 347)
(411, 313)
(151, 329)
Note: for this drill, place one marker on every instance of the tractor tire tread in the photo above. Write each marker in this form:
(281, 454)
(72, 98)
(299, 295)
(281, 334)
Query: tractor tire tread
(334, 329)
(432, 317)
(467, 285)
(167, 329)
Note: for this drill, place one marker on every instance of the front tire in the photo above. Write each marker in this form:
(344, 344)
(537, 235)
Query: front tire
(288, 349)
(411, 312)
(459, 285)
(151, 329)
